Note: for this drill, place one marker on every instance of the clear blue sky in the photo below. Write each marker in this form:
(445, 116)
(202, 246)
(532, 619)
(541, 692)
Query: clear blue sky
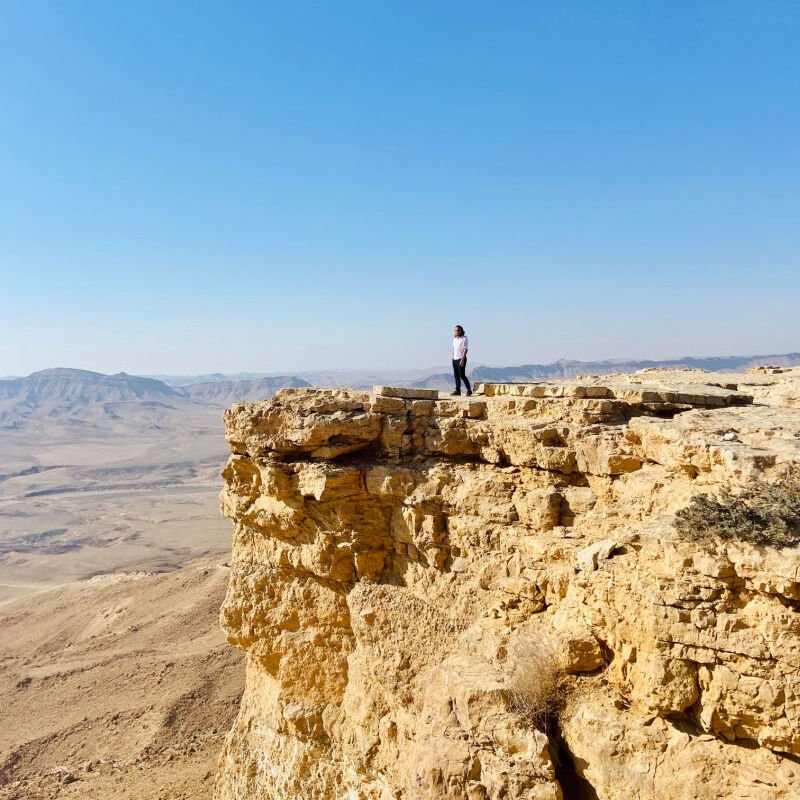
(198, 186)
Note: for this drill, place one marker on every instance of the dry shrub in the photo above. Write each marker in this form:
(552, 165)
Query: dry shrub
(536, 683)
(762, 514)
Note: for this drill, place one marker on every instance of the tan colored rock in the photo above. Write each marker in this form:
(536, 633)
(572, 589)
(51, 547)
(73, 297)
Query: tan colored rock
(590, 557)
(573, 642)
(411, 394)
(621, 754)
(390, 549)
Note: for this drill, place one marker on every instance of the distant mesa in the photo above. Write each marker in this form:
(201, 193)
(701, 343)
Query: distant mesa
(222, 393)
(65, 384)
(79, 385)
(209, 377)
(92, 398)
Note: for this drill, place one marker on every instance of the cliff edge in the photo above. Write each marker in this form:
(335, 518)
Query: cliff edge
(488, 597)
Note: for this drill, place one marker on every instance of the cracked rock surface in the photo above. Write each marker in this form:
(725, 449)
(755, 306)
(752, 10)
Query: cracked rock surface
(391, 552)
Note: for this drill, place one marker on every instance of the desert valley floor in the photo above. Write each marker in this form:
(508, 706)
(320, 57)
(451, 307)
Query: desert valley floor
(115, 676)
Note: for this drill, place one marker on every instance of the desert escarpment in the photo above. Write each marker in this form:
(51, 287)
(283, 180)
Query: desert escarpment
(397, 557)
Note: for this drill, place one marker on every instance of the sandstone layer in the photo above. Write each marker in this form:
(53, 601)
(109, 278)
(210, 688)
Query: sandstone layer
(399, 562)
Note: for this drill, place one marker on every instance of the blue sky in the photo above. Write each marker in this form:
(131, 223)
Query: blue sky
(195, 186)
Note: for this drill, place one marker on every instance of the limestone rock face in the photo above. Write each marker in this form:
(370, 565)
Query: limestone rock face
(391, 551)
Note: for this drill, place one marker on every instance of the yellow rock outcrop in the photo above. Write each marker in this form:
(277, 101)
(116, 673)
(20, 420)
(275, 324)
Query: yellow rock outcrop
(391, 553)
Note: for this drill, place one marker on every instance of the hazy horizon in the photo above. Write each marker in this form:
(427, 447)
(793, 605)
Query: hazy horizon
(309, 187)
(421, 371)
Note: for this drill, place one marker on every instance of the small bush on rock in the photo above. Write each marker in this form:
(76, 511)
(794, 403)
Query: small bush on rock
(763, 514)
(536, 683)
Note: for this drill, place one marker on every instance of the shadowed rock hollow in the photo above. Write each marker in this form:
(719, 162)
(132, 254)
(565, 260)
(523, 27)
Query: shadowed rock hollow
(399, 563)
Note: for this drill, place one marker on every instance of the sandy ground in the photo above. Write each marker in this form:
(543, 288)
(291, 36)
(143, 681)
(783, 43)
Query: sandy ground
(113, 685)
(117, 687)
(92, 499)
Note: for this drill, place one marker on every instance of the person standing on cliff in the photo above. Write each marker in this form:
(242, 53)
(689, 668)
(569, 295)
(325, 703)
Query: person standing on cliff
(460, 349)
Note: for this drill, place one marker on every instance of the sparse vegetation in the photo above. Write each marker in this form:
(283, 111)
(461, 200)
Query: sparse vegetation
(763, 514)
(536, 683)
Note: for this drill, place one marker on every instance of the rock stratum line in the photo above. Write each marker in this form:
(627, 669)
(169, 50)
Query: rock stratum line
(396, 559)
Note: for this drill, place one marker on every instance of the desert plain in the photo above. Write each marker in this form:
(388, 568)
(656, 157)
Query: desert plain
(116, 679)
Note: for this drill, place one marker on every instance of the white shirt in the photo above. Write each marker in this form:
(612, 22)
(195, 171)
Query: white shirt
(460, 347)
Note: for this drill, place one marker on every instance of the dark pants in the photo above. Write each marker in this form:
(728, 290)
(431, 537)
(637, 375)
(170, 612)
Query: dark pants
(460, 374)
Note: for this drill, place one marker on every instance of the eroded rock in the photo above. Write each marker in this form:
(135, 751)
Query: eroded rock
(390, 549)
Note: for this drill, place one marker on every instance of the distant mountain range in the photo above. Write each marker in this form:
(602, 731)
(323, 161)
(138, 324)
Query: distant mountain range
(356, 379)
(91, 398)
(209, 377)
(224, 392)
(564, 369)
(86, 397)
(82, 386)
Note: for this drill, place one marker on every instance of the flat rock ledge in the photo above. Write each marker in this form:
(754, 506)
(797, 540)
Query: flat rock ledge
(408, 394)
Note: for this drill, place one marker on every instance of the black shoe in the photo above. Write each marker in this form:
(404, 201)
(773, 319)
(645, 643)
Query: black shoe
(455, 394)
(469, 393)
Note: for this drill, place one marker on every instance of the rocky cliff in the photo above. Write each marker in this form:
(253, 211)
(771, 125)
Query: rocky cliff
(408, 573)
